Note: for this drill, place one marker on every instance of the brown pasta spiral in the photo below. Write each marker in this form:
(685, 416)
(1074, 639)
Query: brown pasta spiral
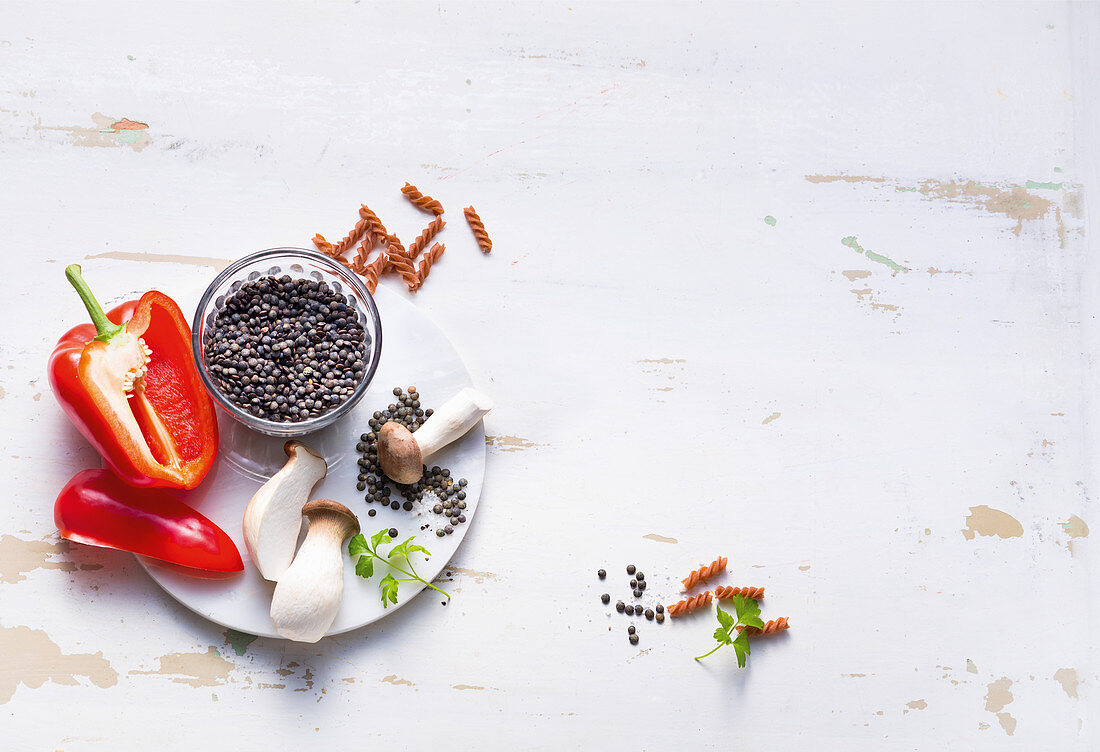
(478, 227)
(728, 591)
(702, 574)
(426, 263)
(421, 242)
(420, 201)
(349, 240)
(322, 245)
(372, 271)
(404, 267)
(359, 264)
(688, 605)
(773, 626)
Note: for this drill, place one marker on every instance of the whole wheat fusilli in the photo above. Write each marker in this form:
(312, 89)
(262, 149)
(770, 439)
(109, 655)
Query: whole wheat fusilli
(322, 245)
(727, 591)
(421, 242)
(688, 605)
(771, 627)
(426, 263)
(373, 270)
(702, 574)
(420, 201)
(478, 227)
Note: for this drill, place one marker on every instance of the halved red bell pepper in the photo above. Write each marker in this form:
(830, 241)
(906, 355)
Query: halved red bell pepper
(128, 382)
(97, 508)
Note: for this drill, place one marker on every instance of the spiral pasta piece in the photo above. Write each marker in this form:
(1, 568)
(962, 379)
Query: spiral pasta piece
(373, 270)
(704, 573)
(404, 267)
(420, 201)
(688, 605)
(359, 264)
(322, 245)
(478, 227)
(426, 263)
(421, 242)
(728, 591)
(771, 627)
(350, 239)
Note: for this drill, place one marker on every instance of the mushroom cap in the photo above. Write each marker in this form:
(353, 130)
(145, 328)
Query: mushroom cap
(292, 447)
(399, 454)
(333, 513)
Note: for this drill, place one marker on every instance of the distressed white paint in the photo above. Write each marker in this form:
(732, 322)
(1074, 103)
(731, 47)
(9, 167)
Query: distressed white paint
(624, 158)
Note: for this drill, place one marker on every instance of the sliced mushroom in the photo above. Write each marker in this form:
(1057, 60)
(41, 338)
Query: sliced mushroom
(307, 596)
(402, 454)
(273, 517)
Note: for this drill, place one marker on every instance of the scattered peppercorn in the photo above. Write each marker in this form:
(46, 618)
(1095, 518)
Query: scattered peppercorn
(601, 573)
(393, 532)
(606, 598)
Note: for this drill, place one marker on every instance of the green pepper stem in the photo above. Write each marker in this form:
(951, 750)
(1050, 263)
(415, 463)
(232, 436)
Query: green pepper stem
(104, 327)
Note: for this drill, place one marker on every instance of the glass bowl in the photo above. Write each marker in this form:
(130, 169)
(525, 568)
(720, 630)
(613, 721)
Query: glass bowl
(301, 264)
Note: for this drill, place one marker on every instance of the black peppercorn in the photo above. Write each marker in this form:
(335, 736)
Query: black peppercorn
(601, 573)
(393, 532)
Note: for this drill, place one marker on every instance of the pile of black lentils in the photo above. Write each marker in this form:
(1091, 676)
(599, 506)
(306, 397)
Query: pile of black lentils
(286, 349)
(450, 494)
(637, 588)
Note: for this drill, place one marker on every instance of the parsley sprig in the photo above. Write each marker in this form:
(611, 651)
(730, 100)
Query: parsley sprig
(367, 552)
(748, 615)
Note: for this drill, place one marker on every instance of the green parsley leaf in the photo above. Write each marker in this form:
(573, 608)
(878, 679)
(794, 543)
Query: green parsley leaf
(722, 635)
(380, 537)
(741, 647)
(365, 567)
(753, 621)
(357, 546)
(725, 619)
(388, 587)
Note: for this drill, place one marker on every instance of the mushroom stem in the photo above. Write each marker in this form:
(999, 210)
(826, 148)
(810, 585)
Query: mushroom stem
(308, 595)
(452, 420)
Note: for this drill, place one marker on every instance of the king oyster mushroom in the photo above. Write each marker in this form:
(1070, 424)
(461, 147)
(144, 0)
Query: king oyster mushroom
(273, 517)
(402, 453)
(308, 594)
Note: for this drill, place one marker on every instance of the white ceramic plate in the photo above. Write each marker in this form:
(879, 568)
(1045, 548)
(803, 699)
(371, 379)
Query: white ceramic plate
(414, 353)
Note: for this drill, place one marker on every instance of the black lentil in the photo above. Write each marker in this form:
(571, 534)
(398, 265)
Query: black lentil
(631, 629)
(633, 584)
(629, 610)
(640, 577)
(286, 350)
(637, 592)
(633, 639)
(649, 614)
(605, 598)
(660, 608)
(620, 606)
(372, 512)
(631, 569)
(393, 532)
(660, 618)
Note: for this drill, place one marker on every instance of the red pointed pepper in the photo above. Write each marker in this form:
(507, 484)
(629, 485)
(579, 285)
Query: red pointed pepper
(128, 382)
(97, 508)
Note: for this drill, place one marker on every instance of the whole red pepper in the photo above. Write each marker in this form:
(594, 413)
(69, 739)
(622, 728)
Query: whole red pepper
(128, 382)
(97, 508)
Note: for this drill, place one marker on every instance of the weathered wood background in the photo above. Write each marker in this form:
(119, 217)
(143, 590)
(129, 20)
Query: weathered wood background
(806, 285)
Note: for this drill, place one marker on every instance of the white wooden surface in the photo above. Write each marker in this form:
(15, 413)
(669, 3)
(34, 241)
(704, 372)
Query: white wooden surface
(663, 360)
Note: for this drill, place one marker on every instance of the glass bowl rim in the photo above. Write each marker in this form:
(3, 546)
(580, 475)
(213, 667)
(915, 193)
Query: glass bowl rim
(279, 428)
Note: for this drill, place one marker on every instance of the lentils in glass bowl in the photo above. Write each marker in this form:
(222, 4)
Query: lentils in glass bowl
(286, 340)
